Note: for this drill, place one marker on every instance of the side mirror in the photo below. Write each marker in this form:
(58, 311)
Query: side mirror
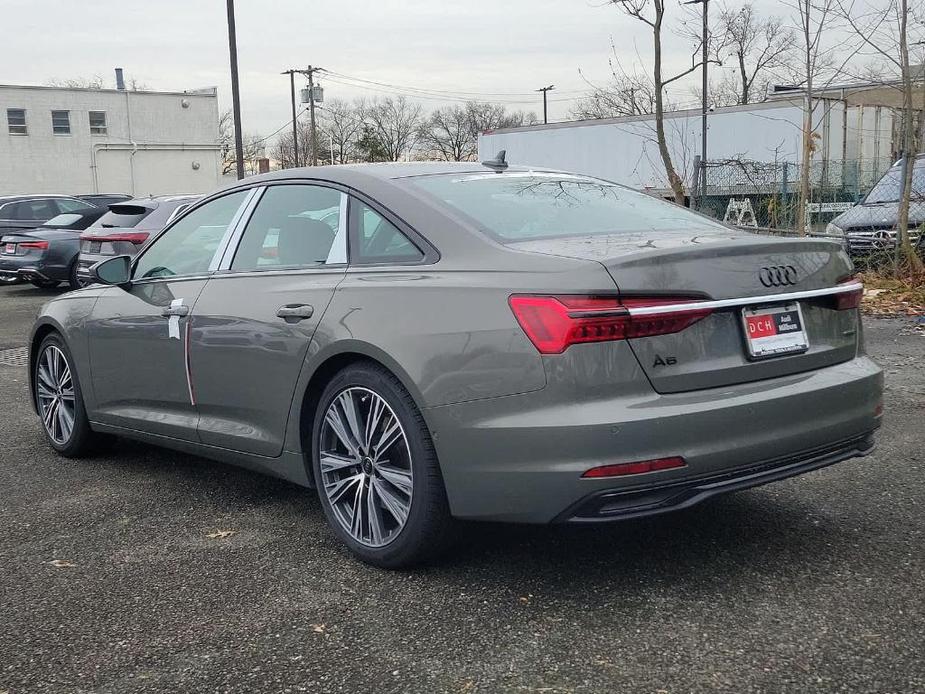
(113, 271)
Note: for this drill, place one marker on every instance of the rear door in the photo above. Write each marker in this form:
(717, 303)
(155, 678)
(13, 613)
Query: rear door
(138, 335)
(256, 317)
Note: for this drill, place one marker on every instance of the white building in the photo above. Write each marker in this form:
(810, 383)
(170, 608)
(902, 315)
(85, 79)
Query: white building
(74, 141)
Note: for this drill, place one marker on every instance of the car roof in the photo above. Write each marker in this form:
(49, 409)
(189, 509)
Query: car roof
(20, 198)
(357, 173)
(155, 200)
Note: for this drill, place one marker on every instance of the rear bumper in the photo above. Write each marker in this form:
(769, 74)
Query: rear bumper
(652, 500)
(27, 268)
(520, 458)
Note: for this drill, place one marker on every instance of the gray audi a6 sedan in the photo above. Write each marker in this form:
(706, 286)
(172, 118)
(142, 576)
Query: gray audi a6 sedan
(424, 342)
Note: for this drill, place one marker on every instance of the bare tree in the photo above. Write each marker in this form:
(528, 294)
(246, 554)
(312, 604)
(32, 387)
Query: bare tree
(484, 116)
(448, 134)
(396, 124)
(284, 153)
(254, 146)
(95, 82)
(652, 14)
(884, 31)
(814, 18)
(341, 124)
(626, 95)
(758, 45)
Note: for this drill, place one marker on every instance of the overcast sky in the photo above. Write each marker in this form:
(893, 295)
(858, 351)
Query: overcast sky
(508, 47)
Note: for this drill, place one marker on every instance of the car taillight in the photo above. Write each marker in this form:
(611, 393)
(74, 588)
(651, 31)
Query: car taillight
(553, 323)
(42, 245)
(849, 299)
(136, 237)
(635, 468)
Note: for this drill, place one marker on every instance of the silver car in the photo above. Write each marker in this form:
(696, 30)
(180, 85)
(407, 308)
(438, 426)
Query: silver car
(429, 342)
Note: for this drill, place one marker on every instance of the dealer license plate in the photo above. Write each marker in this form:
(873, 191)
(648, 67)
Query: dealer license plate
(775, 330)
(9, 249)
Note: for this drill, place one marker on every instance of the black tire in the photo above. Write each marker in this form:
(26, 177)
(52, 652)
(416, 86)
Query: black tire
(73, 281)
(82, 440)
(44, 284)
(427, 530)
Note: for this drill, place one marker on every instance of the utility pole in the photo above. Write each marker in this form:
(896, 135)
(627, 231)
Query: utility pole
(702, 174)
(544, 90)
(311, 113)
(310, 73)
(235, 95)
(295, 122)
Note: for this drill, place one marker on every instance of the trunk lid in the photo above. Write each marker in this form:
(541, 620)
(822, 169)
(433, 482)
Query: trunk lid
(722, 265)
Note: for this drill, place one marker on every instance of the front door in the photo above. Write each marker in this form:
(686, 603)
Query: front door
(138, 336)
(256, 316)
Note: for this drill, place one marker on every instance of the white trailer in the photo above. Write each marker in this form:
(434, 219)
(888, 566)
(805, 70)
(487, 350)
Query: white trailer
(625, 150)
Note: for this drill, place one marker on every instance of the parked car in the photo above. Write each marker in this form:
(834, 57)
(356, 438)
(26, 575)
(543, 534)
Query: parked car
(19, 212)
(104, 200)
(126, 227)
(47, 255)
(872, 224)
(466, 341)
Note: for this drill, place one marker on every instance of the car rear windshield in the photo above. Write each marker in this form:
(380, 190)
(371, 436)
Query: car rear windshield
(522, 206)
(123, 216)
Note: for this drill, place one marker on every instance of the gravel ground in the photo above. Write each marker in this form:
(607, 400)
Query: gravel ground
(150, 571)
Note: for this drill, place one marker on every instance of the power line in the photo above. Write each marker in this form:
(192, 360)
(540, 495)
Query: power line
(438, 97)
(440, 92)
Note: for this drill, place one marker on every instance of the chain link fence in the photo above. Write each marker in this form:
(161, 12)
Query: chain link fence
(855, 202)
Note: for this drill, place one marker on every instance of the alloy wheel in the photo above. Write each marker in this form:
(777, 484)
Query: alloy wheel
(366, 467)
(55, 390)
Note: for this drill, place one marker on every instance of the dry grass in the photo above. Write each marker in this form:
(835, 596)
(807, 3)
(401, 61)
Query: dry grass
(887, 295)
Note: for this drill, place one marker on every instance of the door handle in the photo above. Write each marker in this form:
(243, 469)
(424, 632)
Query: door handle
(175, 311)
(293, 313)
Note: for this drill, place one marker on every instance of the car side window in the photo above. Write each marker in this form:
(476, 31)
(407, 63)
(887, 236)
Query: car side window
(377, 240)
(31, 210)
(293, 226)
(68, 205)
(187, 248)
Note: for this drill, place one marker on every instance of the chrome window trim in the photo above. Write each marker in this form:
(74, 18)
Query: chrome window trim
(235, 229)
(338, 253)
(746, 301)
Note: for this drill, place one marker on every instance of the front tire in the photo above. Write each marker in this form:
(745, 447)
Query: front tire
(59, 400)
(376, 469)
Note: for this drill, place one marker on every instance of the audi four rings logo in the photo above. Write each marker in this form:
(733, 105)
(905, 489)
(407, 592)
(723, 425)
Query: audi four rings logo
(778, 275)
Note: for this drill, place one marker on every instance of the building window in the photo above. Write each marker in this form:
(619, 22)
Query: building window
(97, 122)
(16, 117)
(61, 122)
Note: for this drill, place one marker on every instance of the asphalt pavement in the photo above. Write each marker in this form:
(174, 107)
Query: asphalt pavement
(144, 570)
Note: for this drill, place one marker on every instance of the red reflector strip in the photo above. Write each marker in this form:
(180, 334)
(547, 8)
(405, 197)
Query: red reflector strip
(639, 468)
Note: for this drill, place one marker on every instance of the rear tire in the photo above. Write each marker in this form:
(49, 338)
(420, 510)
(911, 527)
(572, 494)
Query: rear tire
(59, 399)
(72, 279)
(381, 487)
